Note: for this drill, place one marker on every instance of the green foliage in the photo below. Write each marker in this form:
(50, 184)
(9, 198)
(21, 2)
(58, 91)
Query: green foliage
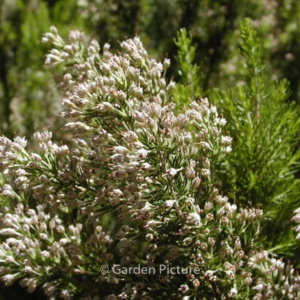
(240, 70)
(214, 26)
(264, 128)
(23, 101)
(189, 73)
(134, 158)
(26, 87)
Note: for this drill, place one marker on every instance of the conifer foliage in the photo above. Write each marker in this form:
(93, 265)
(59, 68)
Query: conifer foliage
(264, 128)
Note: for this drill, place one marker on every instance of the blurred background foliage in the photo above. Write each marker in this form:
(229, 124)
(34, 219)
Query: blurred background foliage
(211, 59)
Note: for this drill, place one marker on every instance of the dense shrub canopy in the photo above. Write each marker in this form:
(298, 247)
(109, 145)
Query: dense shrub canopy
(177, 162)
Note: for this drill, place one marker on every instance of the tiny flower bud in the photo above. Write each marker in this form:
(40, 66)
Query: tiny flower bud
(149, 237)
(169, 204)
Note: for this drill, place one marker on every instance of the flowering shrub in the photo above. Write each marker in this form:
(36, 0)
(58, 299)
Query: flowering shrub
(131, 206)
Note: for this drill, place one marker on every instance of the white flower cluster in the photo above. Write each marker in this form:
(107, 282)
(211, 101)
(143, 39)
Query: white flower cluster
(296, 219)
(132, 158)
